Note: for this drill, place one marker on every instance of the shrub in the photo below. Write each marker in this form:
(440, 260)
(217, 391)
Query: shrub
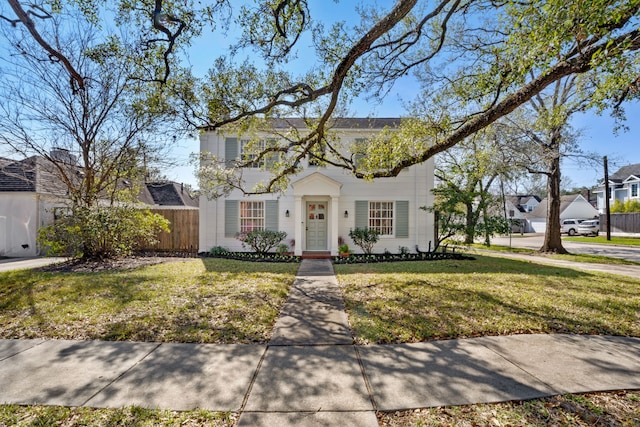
(102, 232)
(282, 248)
(365, 238)
(218, 250)
(343, 249)
(261, 241)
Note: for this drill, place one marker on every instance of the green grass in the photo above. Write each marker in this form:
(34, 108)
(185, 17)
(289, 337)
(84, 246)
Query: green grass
(197, 300)
(594, 259)
(15, 415)
(602, 239)
(421, 301)
(591, 409)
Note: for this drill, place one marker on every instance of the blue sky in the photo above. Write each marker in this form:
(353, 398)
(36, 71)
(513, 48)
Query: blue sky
(597, 131)
(598, 134)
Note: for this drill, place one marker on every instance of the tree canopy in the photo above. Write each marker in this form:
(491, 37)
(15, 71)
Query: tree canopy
(475, 60)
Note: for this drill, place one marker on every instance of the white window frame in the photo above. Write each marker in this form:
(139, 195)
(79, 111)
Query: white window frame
(250, 157)
(251, 216)
(381, 217)
(631, 190)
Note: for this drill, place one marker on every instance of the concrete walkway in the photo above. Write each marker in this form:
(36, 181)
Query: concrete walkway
(311, 374)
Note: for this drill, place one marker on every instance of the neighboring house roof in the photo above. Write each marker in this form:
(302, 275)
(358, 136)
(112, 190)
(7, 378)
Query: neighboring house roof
(620, 176)
(625, 172)
(34, 174)
(520, 200)
(167, 194)
(565, 201)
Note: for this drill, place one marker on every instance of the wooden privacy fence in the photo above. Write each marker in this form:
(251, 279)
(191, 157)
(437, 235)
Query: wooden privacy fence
(622, 222)
(183, 223)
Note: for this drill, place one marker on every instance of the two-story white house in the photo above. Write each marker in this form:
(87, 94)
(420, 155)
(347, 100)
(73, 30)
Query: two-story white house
(322, 203)
(624, 185)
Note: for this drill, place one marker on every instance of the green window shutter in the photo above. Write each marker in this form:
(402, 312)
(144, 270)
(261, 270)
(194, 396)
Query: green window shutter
(230, 151)
(402, 219)
(231, 218)
(362, 214)
(271, 215)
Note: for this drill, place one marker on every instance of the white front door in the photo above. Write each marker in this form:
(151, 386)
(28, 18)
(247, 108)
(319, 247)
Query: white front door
(316, 226)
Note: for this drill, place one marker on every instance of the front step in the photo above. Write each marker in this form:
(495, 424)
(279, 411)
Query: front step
(316, 255)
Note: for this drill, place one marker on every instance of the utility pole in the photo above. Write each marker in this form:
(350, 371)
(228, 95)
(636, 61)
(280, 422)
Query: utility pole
(607, 196)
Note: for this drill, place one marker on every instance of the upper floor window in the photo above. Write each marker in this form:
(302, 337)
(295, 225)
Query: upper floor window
(251, 216)
(381, 217)
(249, 152)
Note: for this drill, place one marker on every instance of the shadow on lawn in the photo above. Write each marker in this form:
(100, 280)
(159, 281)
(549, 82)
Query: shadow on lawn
(480, 265)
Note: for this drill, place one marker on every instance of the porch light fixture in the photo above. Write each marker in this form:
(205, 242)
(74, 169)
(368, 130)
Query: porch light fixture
(286, 213)
(346, 214)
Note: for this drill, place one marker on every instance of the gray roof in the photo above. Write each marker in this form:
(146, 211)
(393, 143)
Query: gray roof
(167, 194)
(625, 172)
(34, 174)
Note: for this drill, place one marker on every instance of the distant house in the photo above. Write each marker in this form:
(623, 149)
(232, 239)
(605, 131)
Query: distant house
(624, 185)
(571, 206)
(517, 208)
(525, 203)
(31, 196)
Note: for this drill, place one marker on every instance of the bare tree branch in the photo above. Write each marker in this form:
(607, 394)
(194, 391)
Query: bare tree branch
(76, 80)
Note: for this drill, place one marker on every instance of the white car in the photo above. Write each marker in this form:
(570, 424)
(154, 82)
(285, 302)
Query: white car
(570, 226)
(589, 228)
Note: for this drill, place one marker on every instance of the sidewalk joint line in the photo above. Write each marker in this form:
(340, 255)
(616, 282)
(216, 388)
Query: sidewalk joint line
(23, 350)
(113, 381)
(365, 377)
(521, 368)
(247, 394)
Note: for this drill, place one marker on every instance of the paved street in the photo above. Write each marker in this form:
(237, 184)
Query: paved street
(534, 241)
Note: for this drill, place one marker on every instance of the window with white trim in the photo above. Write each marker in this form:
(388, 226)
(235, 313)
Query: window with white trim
(381, 217)
(251, 216)
(249, 152)
(634, 190)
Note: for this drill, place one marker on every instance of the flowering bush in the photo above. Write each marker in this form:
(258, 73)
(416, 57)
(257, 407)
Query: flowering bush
(261, 241)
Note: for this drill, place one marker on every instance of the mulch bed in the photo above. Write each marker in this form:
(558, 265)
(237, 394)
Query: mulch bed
(118, 264)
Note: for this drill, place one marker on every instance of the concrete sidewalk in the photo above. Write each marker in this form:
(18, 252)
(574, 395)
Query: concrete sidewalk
(311, 374)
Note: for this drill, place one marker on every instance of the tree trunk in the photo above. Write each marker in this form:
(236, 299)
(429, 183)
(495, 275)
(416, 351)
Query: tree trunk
(470, 226)
(552, 238)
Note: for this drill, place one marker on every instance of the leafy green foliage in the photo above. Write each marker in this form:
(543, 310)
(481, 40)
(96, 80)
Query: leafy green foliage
(102, 232)
(630, 206)
(262, 241)
(365, 238)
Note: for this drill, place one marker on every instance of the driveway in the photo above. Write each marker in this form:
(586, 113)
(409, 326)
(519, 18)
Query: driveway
(534, 241)
(7, 264)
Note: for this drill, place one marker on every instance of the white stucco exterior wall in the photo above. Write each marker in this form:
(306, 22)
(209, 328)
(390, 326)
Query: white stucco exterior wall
(413, 185)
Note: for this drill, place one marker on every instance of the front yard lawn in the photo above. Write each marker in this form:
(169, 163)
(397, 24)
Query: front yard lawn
(420, 301)
(195, 300)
